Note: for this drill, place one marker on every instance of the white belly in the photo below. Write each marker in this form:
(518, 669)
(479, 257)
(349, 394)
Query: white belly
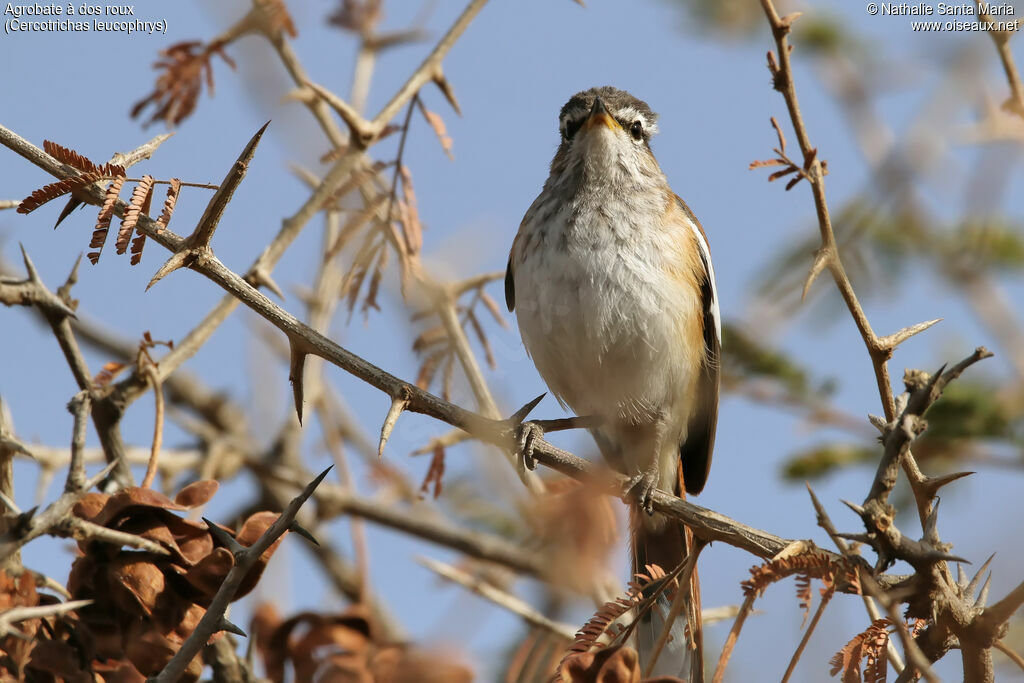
(603, 319)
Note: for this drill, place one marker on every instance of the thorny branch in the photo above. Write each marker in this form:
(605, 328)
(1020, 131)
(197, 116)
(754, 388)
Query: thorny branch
(245, 557)
(903, 418)
(707, 524)
(952, 611)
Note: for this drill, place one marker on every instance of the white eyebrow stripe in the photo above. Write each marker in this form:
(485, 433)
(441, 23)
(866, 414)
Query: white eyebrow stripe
(632, 114)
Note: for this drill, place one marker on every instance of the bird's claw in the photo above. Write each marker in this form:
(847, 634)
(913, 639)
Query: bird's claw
(527, 434)
(641, 488)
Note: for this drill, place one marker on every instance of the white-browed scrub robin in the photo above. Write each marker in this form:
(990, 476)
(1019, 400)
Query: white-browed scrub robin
(611, 279)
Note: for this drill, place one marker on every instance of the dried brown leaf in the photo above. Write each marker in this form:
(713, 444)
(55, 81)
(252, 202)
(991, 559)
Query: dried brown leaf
(277, 18)
(870, 643)
(618, 664)
(812, 564)
(442, 83)
(69, 157)
(82, 163)
(804, 596)
(359, 274)
(354, 225)
(478, 329)
(493, 307)
(140, 241)
(140, 196)
(168, 210)
(374, 287)
(429, 368)
(587, 637)
(48, 193)
(435, 472)
(437, 124)
(431, 336)
(766, 162)
(108, 373)
(99, 233)
(448, 377)
(781, 174)
(184, 66)
(412, 229)
(358, 16)
(778, 129)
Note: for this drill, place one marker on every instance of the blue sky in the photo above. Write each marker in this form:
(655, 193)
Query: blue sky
(512, 71)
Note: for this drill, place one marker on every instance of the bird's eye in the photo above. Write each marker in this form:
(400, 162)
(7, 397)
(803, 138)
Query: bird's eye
(637, 130)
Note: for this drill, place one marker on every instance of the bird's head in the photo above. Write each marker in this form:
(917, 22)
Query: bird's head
(606, 136)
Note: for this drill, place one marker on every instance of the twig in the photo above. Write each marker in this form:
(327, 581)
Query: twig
(244, 559)
(825, 599)
(52, 517)
(682, 595)
(734, 633)
(158, 422)
(333, 501)
(9, 446)
(79, 407)
(915, 657)
(499, 597)
(1008, 651)
(84, 530)
(9, 617)
(57, 313)
(1002, 43)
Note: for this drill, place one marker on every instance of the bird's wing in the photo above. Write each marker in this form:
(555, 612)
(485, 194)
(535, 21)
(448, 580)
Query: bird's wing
(695, 453)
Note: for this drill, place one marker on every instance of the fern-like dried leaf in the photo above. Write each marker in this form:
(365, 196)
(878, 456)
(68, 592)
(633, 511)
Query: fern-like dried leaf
(99, 233)
(429, 368)
(374, 287)
(812, 565)
(448, 378)
(412, 229)
(69, 157)
(139, 243)
(437, 124)
(432, 336)
(172, 199)
(108, 373)
(48, 193)
(82, 163)
(276, 18)
(183, 68)
(492, 306)
(602, 620)
(804, 596)
(870, 643)
(140, 196)
(478, 330)
(435, 472)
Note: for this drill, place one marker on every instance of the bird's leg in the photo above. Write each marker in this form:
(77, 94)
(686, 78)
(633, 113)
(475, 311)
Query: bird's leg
(528, 433)
(643, 484)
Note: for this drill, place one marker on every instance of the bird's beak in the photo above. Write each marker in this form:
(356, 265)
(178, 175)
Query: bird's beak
(599, 116)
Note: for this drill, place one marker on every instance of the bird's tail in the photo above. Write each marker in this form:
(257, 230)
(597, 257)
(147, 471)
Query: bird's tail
(666, 543)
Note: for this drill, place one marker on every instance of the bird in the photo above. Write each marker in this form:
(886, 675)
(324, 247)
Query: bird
(611, 281)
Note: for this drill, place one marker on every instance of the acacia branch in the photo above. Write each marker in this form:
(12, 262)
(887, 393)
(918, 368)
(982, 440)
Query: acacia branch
(1001, 39)
(490, 592)
(706, 524)
(245, 559)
